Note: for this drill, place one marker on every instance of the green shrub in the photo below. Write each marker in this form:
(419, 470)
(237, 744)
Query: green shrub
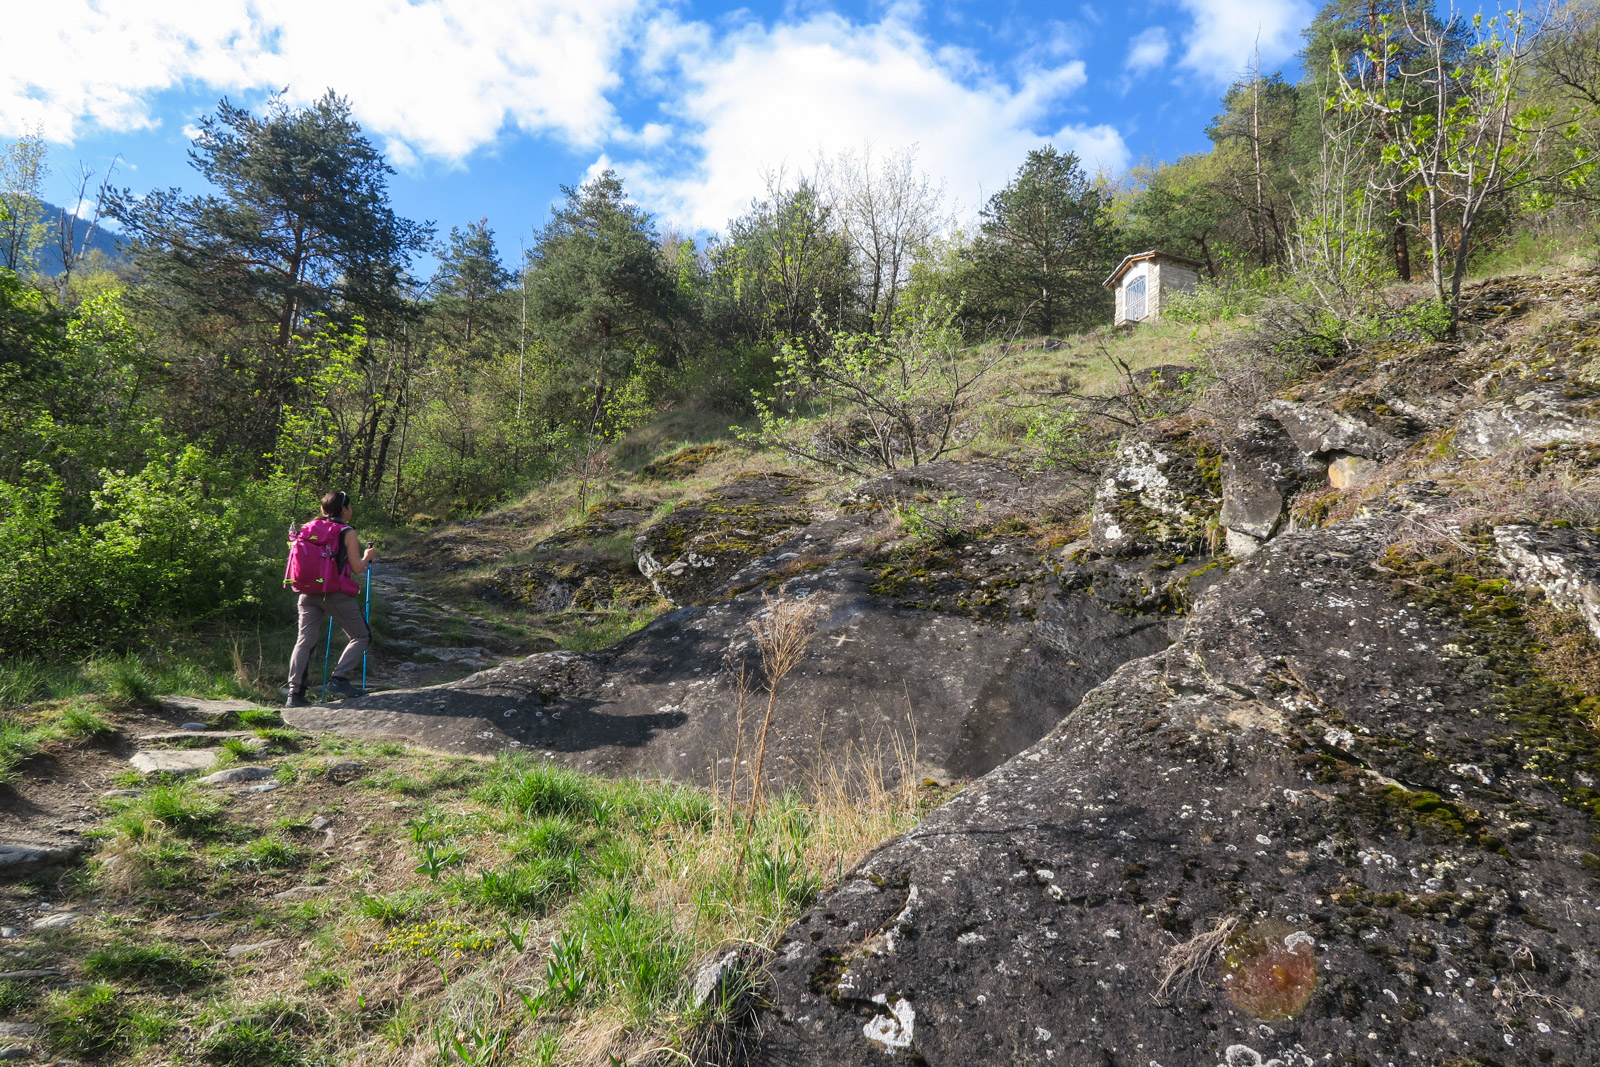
(943, 522)
(181, 538)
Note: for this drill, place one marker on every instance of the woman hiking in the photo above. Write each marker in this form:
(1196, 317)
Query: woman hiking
(342, 549)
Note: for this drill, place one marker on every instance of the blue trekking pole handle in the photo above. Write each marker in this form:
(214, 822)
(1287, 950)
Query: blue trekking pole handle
(366, 617)
(327, 650)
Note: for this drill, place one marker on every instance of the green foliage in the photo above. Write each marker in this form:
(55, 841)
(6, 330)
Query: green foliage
(181, 538)
(1045, 243)
(873, 402)
(942, 522)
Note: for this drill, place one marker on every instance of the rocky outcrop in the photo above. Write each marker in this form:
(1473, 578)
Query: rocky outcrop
(689, 553)
(976, 648)
(1564, 565)
(1262, 468)
(1159, 494)
(1333, 823)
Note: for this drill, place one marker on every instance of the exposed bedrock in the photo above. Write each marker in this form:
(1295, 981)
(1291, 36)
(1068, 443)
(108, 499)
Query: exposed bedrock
(969, 651)
(1380, 819)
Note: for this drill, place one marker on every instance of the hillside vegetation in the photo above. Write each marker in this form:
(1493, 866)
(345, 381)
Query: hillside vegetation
(829, 639)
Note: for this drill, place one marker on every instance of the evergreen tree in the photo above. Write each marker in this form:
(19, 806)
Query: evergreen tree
(1045, 245)
(300, 226)
(470, 303)
(600, 298)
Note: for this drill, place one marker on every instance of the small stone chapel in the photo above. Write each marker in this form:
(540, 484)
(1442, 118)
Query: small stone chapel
(1142, 281)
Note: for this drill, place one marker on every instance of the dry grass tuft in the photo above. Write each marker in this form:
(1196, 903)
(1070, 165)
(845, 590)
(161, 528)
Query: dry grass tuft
(1185, 961)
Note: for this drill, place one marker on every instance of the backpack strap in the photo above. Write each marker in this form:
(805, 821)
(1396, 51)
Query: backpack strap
(341, 555)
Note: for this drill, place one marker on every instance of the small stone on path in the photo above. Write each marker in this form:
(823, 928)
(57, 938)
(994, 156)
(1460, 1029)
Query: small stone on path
(194, 726)
(174, 761)
(114, 794)
(56, 920)
(264, 787)
(237, 774)
(202, 710)
(9, 931)
(303, 891)
(238, 951)
(36, 972)
(16, 856)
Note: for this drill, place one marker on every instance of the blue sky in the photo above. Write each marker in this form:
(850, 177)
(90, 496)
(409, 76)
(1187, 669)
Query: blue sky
(486, 106)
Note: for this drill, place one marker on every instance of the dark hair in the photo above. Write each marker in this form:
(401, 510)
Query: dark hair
(334, 502)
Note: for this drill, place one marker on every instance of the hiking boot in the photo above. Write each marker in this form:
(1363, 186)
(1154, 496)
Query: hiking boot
(342, 687)
(296, 699)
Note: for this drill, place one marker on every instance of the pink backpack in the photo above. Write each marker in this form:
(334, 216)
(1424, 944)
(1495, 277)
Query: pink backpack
(316, 559)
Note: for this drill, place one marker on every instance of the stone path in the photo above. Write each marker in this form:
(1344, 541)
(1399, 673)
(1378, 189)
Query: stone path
(423, 639)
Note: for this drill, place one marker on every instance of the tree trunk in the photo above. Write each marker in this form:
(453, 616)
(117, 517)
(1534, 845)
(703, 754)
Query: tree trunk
(1402, 248)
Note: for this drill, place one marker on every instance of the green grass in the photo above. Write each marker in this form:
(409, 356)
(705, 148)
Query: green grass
(17, 742)
(591, 896)
(80, 719)
(159, 965)
(251, 1041)
(609, 628)
(270, 853)
(178, 807)
(99, 1021)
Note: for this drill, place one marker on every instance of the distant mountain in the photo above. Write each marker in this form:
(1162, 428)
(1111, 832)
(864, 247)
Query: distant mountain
(48, 261)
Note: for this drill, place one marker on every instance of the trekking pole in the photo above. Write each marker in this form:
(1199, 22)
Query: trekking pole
(327, 650)
(366, 617)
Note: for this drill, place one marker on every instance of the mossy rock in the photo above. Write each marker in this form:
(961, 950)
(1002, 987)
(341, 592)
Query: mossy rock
(1161, 493)
(683, 462)
(690, 554)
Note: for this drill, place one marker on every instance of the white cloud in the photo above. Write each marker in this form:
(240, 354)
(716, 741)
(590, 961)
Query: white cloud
(764, 99)
(439, 79)
(432, 77)
(1148, 50)
(1222, 43)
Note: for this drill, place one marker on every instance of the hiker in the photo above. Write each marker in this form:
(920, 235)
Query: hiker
(345, 559)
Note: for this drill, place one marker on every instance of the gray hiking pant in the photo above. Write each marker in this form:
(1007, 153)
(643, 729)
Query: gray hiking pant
(314, 612)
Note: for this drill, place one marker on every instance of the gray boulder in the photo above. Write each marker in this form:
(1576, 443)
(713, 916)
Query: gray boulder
(1316, 829)
(1261, 469)
(1318, 429)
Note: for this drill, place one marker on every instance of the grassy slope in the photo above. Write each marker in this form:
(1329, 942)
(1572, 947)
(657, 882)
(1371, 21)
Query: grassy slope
(445, 910)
